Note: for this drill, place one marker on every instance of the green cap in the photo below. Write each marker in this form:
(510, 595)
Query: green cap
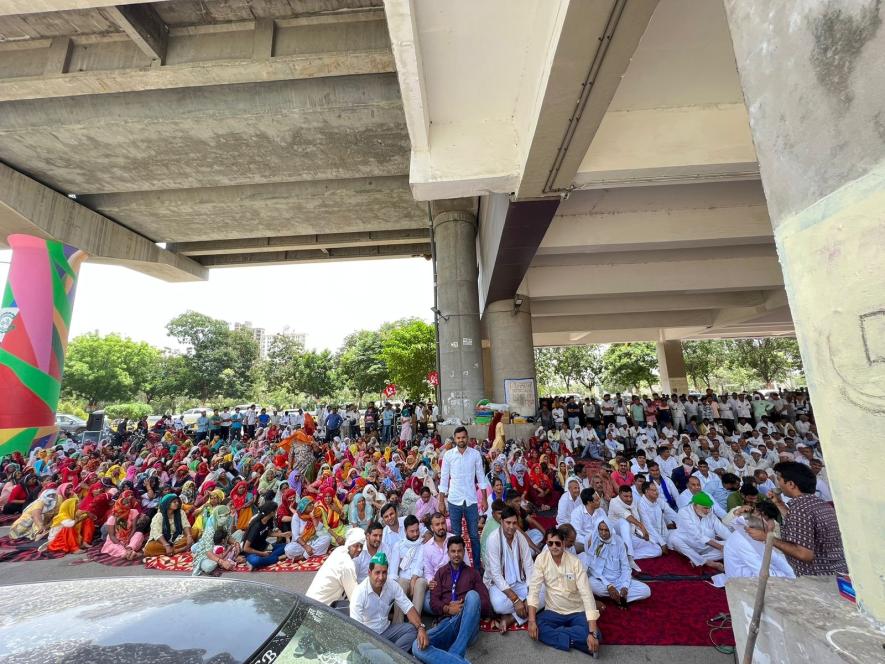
(379, 558)
(702, 499)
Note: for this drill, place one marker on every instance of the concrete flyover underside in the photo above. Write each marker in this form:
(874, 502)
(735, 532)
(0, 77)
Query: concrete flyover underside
(237, 133)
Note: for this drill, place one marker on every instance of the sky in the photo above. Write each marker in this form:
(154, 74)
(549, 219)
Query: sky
(325, 301)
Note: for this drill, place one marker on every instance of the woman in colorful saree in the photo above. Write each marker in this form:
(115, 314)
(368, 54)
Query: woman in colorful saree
(34, 522)
(96, 503)
(541, 487)
(361, 512)
(217, 546)
(331, 512)
(65, 534)
(122, 540)
(241, 501)
(170, 531)
(309, 535)
(211, 499)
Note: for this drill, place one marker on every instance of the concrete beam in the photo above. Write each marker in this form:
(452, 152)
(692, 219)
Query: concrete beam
(646, 319)
(668, 216)
(278, 209)
(294, 242)
(317, 255)
(637, 272)
(583, 76)
(626, 303)
(679, 145)
(12, 7)
(144, 27)
(26, 206)
(250, 52)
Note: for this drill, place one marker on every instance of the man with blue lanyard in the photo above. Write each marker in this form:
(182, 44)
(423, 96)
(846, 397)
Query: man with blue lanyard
(460, 595)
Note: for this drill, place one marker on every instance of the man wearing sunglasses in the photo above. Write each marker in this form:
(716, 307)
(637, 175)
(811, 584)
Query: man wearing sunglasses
(569, 620)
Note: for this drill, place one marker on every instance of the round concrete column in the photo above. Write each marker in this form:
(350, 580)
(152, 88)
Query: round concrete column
(512, 349)
(460, 341)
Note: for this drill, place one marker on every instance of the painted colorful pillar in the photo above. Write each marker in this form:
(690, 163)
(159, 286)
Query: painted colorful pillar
(35, 314)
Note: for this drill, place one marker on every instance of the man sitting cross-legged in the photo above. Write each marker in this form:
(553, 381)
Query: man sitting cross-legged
(609, 568)
(460, 596)
(569, 621)
(509, 568)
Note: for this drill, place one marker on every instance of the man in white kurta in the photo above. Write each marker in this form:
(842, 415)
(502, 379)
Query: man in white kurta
(584, 516)
(568, 501)
(300, 548)
(337, 576)
(694, 487)
(609, 570)
(623, 514)
(509, 568)
(656, 515)
(742, 555)
(700, 535)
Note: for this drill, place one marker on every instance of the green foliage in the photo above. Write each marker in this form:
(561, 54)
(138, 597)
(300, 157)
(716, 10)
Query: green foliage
(704, 361)
(132, 411)
(100, 369)
(292, 369)
(360, 363)
(219, 361)
(629, 366)
(409, 351)
(76, 408)
(770, 359)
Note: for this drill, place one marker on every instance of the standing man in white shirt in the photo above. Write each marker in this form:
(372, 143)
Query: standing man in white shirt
(371, 605)
(462, 474)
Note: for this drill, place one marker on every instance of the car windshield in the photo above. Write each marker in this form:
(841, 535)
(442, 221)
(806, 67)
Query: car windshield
(313, 633)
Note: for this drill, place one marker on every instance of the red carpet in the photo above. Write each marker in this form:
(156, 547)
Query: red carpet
(672, 567)
(94, 555)
(676, 614)
(24, 550)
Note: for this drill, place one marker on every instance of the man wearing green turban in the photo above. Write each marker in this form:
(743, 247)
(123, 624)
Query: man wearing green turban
(372, 601)
(700, 535)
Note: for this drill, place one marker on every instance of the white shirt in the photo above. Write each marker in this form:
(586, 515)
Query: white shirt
(619, 510)
(503, 562)
(461, 474)
(566, 507)
(683, 500)
(558, 415)
(698, 531)
(371, 609)
(667, 465)
(655, 516)
(335, 578)
(411, 558)
(582, 522)
(714, 464)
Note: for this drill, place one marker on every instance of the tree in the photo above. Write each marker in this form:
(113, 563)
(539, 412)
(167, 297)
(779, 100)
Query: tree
(212, 348)
(109, 368)
(360, 364)
(629, 365)
(704, 360)
(290, 367)
(564, 365)
(132, 411)
(409, 351)
(770, 359)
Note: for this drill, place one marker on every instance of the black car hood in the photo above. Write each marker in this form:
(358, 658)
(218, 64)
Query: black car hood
(177, 620)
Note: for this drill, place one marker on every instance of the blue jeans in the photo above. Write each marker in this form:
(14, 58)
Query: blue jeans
(386, 433)
(450, 639)
(471, 512)
(262, 561)
(564, 631)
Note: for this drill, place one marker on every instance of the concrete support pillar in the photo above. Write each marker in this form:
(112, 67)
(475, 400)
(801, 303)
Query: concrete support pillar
(671, 367)
(513, 356)
(35, 315)
(460, 339)
(813, 81)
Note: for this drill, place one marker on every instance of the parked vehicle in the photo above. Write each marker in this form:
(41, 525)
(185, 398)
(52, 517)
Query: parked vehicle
(69, 423)
(178, 620)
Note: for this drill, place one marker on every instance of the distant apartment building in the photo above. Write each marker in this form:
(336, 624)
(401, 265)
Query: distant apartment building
(264, 340)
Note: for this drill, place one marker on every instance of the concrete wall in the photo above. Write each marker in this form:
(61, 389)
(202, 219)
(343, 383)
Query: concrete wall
(804, 621)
